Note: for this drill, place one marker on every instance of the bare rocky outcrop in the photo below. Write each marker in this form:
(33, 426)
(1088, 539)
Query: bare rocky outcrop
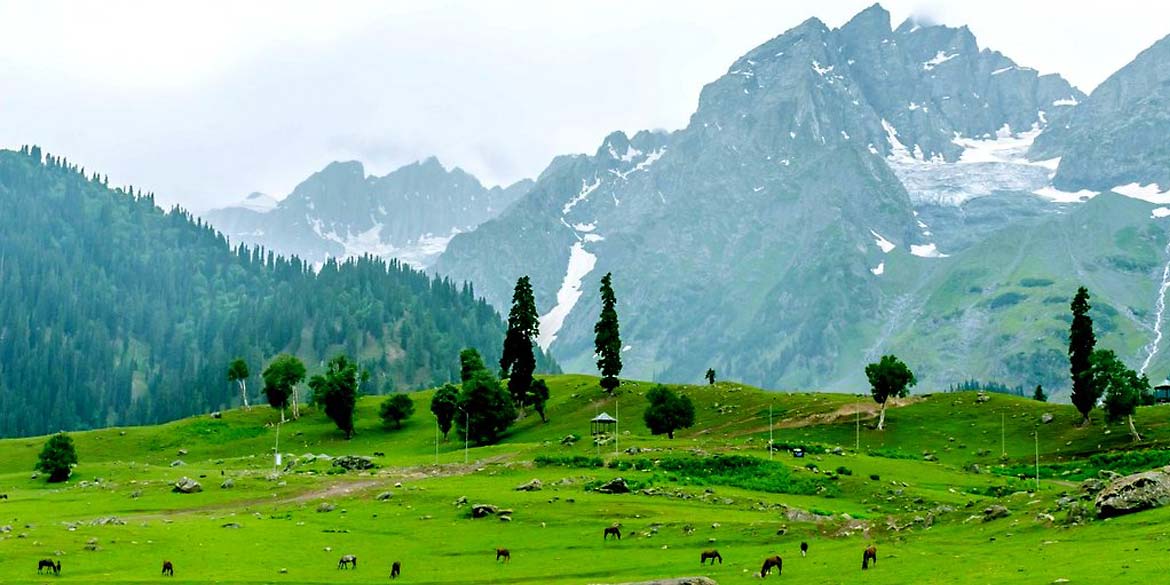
(1134, 493)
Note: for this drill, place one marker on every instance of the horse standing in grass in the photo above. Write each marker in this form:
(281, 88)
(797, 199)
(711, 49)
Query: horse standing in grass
(347, 562)
(47, 565)
(614, 530)
(395, 570)
(168, 569)
(710, 554)
(804, 549)
(770, 562)
(503, 553)
(870, 554)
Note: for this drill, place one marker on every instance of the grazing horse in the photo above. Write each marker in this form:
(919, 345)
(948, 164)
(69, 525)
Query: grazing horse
(770, 562)
(503, 553)
(47, 565)
(168, 569)
(346, 562)
(710, 554)
(870, 554)
(614, 530)
(803, 549)
(395, 570)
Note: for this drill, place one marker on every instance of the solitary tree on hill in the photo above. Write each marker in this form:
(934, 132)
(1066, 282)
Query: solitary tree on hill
(238, 373)
(518, 362)
(1123, 388)
(710, 376)
(444, 405)
(668, 411)
(280, 380)
(1081, 343)
(337, 390)
(396, 408)
(888, 378)
(607, 343)
(538, 397)
(57, 458)
(1039, 394)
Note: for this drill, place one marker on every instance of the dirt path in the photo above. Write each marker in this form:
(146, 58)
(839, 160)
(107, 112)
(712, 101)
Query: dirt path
(868, 408)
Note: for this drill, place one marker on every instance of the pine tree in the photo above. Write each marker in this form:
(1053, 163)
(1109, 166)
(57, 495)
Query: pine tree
(607, 343)
(888, 378)
(1081, 343)
(710, 376)
(238, 373)
(518, 361)
(1039, 394)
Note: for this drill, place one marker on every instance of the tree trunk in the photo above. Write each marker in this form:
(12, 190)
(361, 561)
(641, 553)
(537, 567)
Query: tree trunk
(244, 393)
(296, 407)
(669, 434)
(882, 418)
(282, 419)
(1133, 429)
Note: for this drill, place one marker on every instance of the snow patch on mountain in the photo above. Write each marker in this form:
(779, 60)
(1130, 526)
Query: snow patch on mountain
(879, 270)
(1057, 196)
(926, 251)
(259, 202)
(1160, 212)
(586, 189)
(1151, 193)
(581, 263)
(885, 245)
(939, 58)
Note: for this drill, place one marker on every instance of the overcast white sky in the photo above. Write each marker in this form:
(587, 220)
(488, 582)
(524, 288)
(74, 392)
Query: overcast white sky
(204, 102)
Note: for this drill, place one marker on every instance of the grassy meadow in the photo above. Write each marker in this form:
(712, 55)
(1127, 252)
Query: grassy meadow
(117, 519)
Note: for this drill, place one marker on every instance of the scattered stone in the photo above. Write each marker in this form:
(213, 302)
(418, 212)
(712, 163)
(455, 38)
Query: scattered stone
(1107, 475)
(382, 497)
(483, 510)
(187, 485)
(1046, 418)
(178, 463)
(531, 486)
(353, 462)
(182, 452)
(227, 484)
(217, 414)
(505, 518)
(1092, 486)
(325, 507)
(231, 525)
(995, 512)
(568, 440)
(616, 485)
(462, 501)
(1134, 493)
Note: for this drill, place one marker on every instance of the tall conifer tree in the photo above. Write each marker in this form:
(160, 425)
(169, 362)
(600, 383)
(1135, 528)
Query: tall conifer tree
(607, 343)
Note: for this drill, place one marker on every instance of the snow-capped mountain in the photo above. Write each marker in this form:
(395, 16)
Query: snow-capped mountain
(838, 193)
(339, 211)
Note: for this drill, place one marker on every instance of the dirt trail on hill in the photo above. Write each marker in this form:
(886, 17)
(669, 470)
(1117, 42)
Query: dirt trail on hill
(847, 413)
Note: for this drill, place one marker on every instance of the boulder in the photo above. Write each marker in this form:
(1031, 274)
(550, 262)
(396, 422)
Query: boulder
(382, 497)
(187, 485)
(217, 414)
(325, 507)
(483, 510)
(1134, 493)
(1092, 486)
(228, 484)
(231, 525)
(995, 512)
(178, 463)
(530, 486)
(616, 485)
(1046, 418)
(353, 462)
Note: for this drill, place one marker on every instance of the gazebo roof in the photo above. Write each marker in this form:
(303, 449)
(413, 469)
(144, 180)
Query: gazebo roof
(604, 418)
(1164, 384)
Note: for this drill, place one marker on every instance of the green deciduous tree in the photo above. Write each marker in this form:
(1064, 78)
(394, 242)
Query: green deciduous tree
(1081, 343)
(1039, 394)
(337, 390)
(485, 409)
(396, 409)
(444, 405)
(238, 373)
(607, 343)
(888, 378)
(280, 381)
(1124, 389)
(667, 411)
(469, 363)
(58, 457)
(539, 397)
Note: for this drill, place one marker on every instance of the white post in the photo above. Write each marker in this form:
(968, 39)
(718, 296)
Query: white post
(771, 444)
(276, 458)
(857, 448)
(616, 430)
(436, 440)
(1037, 436)
(466, 436)
(1002, 436)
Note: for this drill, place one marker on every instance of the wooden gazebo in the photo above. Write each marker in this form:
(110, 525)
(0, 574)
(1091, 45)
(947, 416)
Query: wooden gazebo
(1162, 393)
(602, 424)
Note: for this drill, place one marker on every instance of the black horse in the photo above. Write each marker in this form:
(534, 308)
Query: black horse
(168, 569)
(347, 562)
(47, 565)
(710, 554)
(614, 530)
(770, 562)
(803, 549)
(395, 570)
(870, 554)
(503, 553)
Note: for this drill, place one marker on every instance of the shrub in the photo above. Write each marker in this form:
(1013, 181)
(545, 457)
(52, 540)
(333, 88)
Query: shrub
(842, 470)
(729, 470)
(581, 461)
(875, 477)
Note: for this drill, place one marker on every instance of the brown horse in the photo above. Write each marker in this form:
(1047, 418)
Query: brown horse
(614, 530)
(346, 562)
(47, 565)
(168, 569)
(870, 554)
(710, 554)
(503, 553)
(770, 562)
(803, 549)
(395, 570)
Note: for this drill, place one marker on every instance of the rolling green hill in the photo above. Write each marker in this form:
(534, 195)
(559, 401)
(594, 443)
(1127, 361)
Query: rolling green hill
(925, 517)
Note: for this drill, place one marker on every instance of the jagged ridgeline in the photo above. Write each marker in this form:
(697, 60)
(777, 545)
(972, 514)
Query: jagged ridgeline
(116, 312)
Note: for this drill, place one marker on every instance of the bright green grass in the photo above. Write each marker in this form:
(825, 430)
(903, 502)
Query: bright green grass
(555, 535)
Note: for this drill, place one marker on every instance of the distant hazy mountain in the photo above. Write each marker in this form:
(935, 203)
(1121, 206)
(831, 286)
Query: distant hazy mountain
(340, 212)
(838, 194)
